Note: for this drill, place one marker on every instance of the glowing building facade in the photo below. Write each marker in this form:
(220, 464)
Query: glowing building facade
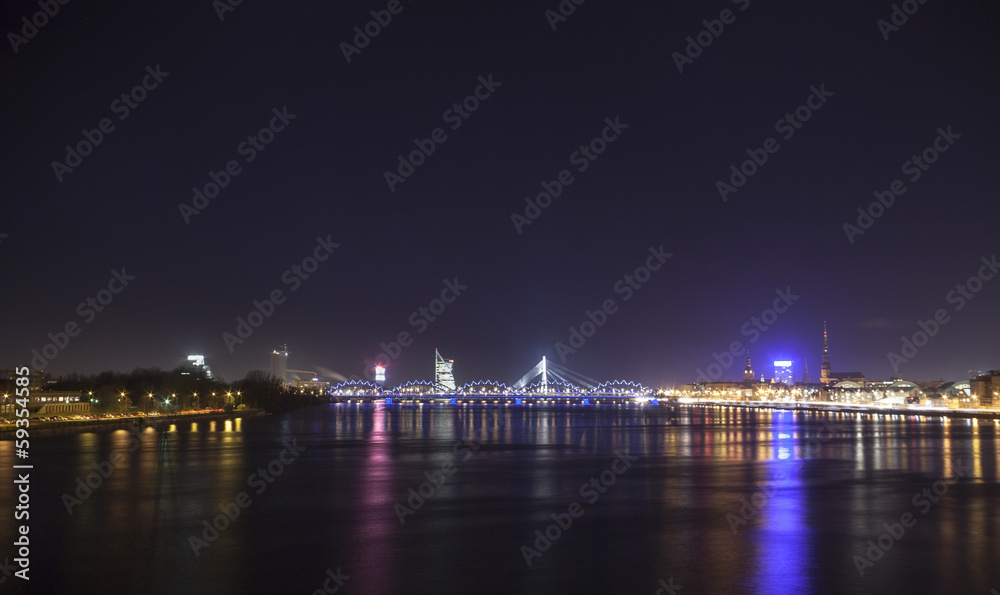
(783, 372)
(279, 363)
(196, 365)
(444, 379)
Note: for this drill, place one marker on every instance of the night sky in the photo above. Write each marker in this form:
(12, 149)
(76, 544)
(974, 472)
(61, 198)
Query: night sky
(880, 102)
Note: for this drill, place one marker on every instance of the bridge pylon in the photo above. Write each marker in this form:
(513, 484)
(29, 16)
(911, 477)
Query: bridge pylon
(544, 369)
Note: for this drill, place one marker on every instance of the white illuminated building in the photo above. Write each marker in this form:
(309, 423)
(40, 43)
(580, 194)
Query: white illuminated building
(444, 379)
(279, 363)
(198, 361)
(783, 372)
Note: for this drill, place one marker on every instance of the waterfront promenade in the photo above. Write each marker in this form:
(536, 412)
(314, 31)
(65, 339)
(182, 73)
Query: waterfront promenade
(69, 426)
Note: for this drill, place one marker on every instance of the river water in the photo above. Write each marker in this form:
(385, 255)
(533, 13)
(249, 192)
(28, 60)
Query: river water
(513, 499)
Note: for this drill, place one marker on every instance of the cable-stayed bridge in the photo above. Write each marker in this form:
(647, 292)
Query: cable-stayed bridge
(545, 382)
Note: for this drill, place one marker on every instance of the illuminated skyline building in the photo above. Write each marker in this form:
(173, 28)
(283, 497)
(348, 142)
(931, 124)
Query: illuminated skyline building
(196, 364)
(748, 370)
(824, 367)
(279, 363)
(783, 372)
(444, 378)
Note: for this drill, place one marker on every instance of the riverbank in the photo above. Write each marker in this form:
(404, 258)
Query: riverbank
(989, 414)
(51, 428)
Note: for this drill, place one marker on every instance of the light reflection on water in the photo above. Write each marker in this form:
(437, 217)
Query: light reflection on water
(823, 484)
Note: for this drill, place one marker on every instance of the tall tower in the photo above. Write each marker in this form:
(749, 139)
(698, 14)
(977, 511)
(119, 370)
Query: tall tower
(279, 363)
(748, 370)
(805, 374)
(824, 367)
(444, 379)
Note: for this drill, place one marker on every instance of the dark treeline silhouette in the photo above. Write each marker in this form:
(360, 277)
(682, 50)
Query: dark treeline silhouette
(268, 393)
(153, 389)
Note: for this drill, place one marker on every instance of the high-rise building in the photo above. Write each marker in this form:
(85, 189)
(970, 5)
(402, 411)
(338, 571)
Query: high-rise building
(986, 388)
(783, 372)
(279, 363)
(444, 379)
(824, 367)
(196, 366)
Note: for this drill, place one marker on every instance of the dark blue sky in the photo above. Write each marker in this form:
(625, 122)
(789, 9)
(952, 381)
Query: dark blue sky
(322, 175)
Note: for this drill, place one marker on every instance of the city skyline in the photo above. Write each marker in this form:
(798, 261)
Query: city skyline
(396, 295)
(724, 368)
(627, 208)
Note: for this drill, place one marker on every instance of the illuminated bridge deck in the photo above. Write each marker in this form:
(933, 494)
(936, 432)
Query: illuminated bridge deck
(504, 399)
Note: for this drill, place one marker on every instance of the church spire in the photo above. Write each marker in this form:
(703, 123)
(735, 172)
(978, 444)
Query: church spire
(824, 369)
(748, 370)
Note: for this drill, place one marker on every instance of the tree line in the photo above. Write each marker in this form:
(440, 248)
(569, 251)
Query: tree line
(153, 389)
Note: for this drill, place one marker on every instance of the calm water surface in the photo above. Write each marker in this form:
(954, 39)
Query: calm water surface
(713, 500)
